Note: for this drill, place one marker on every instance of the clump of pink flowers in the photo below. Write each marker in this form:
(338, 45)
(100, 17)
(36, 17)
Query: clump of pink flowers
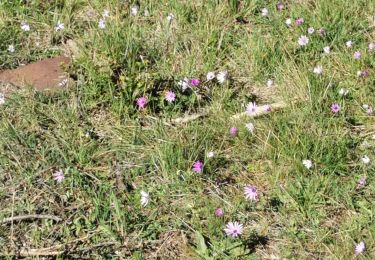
(197, 167)
(233, 229)
(362, 73)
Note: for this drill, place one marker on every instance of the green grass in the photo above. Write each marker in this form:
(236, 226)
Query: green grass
(109, 150)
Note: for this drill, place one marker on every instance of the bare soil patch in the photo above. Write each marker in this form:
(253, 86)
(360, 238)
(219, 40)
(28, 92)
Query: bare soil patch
(47, 74)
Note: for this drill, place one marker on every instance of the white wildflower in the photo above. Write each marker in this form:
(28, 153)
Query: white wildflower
(365, 159)
(307, 163)
(170, 17)
(210, 75)
(59, 26)
(318, 70)
(105, 13)
(250, 127)
(222, 76)
(184, 84)
(11, 48)
(63, 83)
(343, 92)
(134, 10)
(327, 49)
(360, 248)
(25, 26)
(101, 24)
(264, 12)
(145, 198)
(210, 154)
(2, 99)
(269, 83)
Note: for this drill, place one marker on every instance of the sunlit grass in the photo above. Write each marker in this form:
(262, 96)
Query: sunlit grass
(110, 150)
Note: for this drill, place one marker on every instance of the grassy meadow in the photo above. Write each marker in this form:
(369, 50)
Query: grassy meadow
(120, 178)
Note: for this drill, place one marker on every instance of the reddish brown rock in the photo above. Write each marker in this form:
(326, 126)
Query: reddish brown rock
(46, 74)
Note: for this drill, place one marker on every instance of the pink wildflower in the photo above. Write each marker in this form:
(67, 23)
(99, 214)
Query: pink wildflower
(280, 6)
(58, 176)
(335, 108)
(170, 96)
(357, 55)
(198, 167)
(363, 73)
(322, 31)
(219, 212)
(233, 131)
(194, 82)
(234, 229)
(360, 248)
(251, 193)
(251, 108)
(303, 40)
(299, 21)
(362, 182)
(142, 102)
(370, 111)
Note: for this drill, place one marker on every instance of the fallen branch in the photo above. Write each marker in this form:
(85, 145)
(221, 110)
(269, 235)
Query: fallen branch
(54, 250)
(37, 252)
(262, 110)
(26, 217)
(29, 252)
(188, 118)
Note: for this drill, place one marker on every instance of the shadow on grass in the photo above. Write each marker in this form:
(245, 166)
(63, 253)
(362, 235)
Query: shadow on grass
(255, 241)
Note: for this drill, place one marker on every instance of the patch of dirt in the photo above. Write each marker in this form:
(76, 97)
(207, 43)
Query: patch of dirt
(170, 245)
(47, 74)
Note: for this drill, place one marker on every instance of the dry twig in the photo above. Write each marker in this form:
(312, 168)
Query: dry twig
(27, 217)
(260, 111)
